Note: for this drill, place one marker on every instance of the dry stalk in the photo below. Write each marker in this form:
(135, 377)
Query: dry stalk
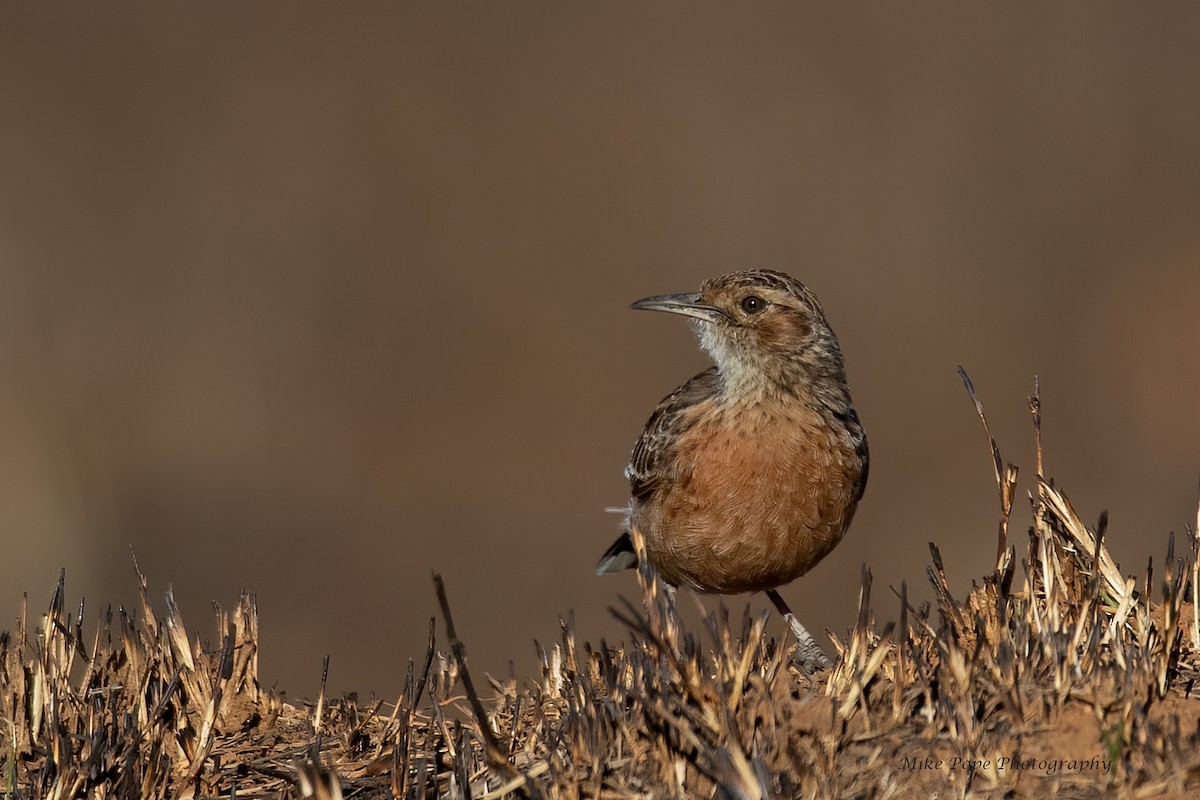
(140, 709)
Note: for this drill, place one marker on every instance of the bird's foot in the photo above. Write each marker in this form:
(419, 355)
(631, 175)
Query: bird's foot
(809, 658)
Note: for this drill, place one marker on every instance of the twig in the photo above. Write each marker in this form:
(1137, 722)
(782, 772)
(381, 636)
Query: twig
(1006, 475)
(491, 743)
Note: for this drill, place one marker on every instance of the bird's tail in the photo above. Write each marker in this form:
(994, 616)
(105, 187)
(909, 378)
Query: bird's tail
(620, 556)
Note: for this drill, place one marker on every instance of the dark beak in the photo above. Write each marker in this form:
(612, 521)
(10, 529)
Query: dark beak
(687, 304)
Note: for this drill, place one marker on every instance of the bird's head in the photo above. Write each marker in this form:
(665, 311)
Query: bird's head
(764, 329)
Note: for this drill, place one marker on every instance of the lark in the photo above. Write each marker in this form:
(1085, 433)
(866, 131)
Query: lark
(749, 474)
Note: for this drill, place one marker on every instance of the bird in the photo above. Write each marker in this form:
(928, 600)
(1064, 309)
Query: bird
(749, 474)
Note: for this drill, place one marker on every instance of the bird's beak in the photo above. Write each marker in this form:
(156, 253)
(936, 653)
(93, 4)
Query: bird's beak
(687, 304)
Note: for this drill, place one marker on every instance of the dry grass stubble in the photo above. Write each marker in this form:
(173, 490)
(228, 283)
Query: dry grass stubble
(1061, 678)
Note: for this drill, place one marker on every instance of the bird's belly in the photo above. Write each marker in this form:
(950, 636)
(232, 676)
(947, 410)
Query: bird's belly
(751, 512)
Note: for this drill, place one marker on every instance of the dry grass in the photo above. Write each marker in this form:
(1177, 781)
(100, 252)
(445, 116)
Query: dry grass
(1059, 663)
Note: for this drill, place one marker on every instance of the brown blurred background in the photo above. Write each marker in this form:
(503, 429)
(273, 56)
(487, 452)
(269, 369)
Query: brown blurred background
(316, 301)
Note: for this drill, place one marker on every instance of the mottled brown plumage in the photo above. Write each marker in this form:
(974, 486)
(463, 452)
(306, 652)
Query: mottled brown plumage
(747, 475)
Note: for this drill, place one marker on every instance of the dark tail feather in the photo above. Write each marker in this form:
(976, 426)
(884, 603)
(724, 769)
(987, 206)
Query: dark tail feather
(618, 557)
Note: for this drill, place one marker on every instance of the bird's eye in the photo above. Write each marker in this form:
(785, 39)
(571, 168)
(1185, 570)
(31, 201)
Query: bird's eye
(752, 304)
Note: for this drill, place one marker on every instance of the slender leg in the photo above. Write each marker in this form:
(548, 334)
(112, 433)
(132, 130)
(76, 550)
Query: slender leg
(810, 657)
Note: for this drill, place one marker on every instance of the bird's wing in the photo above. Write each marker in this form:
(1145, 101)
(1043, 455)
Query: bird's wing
(653, 455)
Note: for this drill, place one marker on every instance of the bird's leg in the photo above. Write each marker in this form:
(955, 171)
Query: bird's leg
(810, 657)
